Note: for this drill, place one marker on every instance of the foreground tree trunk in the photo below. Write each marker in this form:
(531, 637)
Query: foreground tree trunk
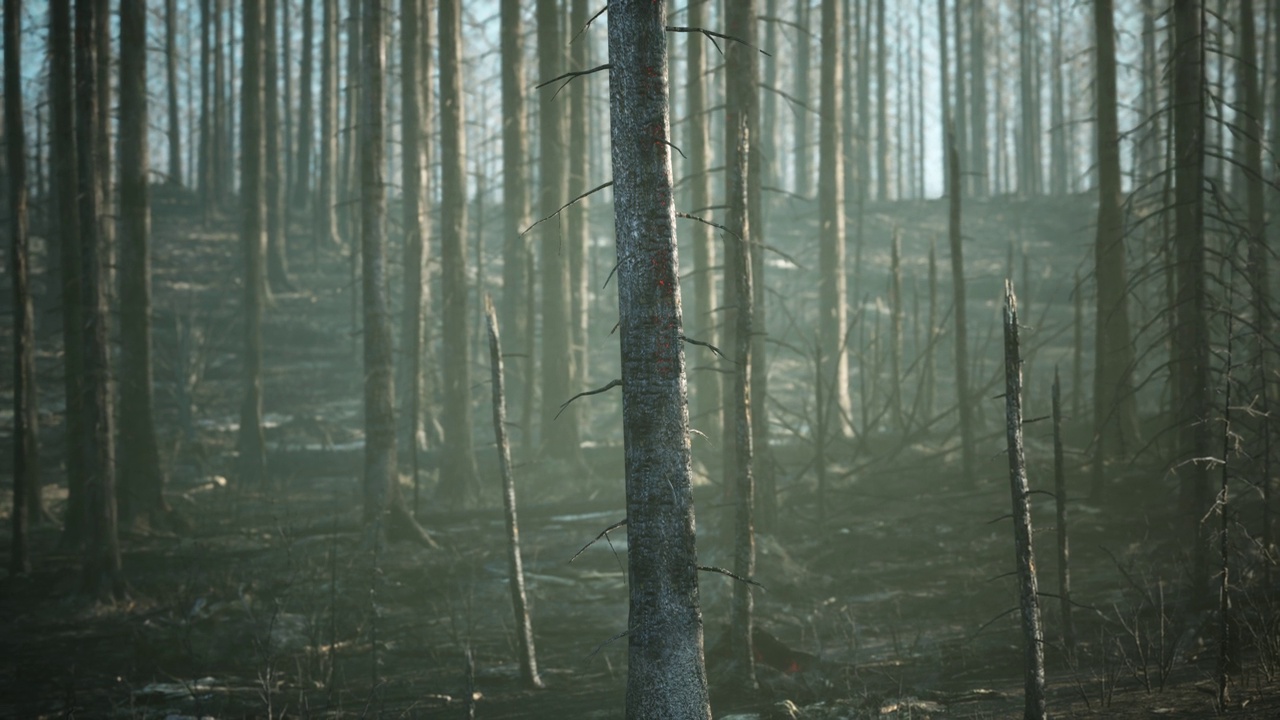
(665, 677)
(141, 491)
(458, 479)
(102, 573)
(26, 446)
(1115, 408)
(961, 342)
(413, 169)
(833, 302)
(253, 238)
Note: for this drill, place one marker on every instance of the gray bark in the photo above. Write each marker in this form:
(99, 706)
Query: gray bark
(517, 260)
(253, 237)
(832, 292)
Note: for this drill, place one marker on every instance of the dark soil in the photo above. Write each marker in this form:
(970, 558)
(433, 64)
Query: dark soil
(272, 605)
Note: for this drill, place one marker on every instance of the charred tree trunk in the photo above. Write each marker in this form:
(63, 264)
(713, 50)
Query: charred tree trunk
(102, 574)
(944, 84)
(1115, 409)
(458, 480)
(517, 260)
(1191, 336)
(665, 675)
(379, 410)
(515, 565)
(67, 206)
(978, 97)
(413, 184)
(301, 182)
(171, 77)
(141, 481)
(204, 169)
(1060, 503)
(1029, 170)
(833, 294)
(326, 218)
(697, 143)
(253, 237)
(273, 173)
(963, 398)
(1028, 593)
(26, 444)
(559, 435)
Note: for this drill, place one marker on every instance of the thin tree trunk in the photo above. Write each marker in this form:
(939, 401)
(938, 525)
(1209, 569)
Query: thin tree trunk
(832, 292)
(1115, 410)
(882, 107)
(559, 435)
(413, 173)
(379, 387)
(665, 673)
(804, 44)
(1057, 99)
(1028, 592)
(1060, 505)
(204, 172)
(171, 77)
(253, 238)
(1029, 102)
(519, 604)
(962, 102)
(944, 84)
(277, 255)
(67, 208)
(458, 480)
(102, 575)
(141, 481)
(978, 98)
(26, 443)
(301, 182)
(579, 216)
(1191, 337)
(517, 268)
(964, 400)
(326, 225)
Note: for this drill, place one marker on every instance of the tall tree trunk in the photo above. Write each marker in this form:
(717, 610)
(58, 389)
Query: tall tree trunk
(301, 181)
(413, 183)
(1057, 120)
(804, 45)
(104, 149)
(832, 293)
(1029, 169)
(286, 107)
(26, 444)
(67, 208)
(665, 673)
(964, 399)
(1115, 410)
(141, 481)
(379, 411)
(944, 84)
(221, 150)
(277, 239)
(171, 82)
(559, 435)
(1191, 333)
(253, 238)
(962, 102)
(458, 479)
(517, 260)
(978, 97)
(204, 171)
(697, 143)
(102, 573)
(882, 108)
(579, 220)
(325, 208)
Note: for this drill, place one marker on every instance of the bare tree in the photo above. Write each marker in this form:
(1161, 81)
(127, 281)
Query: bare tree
(517, 260)
(301, 178)
(141, 491)
(273, 172)
(978, 96)
(665, 673)
(458, 477)
(26, 445)
(102, 575)
(253, 238)
(833, 308)
(326, 225)
(171, 78)
(413, 187)
(579, 216)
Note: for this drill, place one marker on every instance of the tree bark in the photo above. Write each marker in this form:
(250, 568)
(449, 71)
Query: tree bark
(832, 292)
(458, 480)
(277, 254)
(1115, 410)
(963, 398)
(559, 435)
(519, 603)
(803, 152)
(517, 260)
(204, 169)
(665, 675)
(413, 184)
(1191, 335)
(326, 224)
(579, 216)
(978, 97)
(1028, 591)
(26, 443)
(253, 238)
(141, 481)
(301, 182)
(882, 107)
(171, 78)
(67, 208)
(944, 84)
(1029, 169)
(102, 576)
(697, 144)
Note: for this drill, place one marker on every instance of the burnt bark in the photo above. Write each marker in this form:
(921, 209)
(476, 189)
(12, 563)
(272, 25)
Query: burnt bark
(171, 83)
(253, 239)
(961, 343)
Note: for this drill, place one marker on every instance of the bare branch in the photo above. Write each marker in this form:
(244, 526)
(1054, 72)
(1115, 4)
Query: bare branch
(603, 534)
(722, 571)
(566, 206)
(617, 382)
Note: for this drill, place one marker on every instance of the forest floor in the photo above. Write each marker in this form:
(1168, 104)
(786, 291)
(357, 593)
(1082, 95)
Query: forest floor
(893, 604)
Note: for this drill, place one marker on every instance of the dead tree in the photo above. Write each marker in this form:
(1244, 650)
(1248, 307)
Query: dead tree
(832, 292)
(519, 604)
(253, 238)
(666, 677)
(1060, 503)
(963, 399)
(1028, 594)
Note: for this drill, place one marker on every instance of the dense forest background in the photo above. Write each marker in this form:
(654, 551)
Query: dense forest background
(308, 296)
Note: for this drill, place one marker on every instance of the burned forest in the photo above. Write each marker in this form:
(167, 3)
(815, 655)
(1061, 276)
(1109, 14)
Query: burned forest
(643, 359)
